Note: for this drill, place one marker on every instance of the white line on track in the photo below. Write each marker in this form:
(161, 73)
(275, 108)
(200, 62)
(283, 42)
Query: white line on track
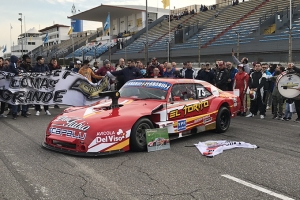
(269, 192)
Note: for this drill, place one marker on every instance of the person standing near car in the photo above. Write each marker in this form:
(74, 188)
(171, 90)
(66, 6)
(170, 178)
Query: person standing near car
(14, 68)
(87, 72)
(131, 72)
(189, 72)
(256, 83)
(222, 77)
(40, 67)
(241, 83)
(54, 66)
(104, 69)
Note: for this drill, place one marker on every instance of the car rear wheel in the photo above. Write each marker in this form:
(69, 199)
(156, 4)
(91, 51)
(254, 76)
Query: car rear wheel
(138, 134)
(223, 120)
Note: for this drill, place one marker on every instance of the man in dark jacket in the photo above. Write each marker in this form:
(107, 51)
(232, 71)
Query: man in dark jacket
(206, 74)
(189, 72)
(131, 72)
(222, 76)
(41, 67)
(13, 68)
(256, 83)
(26, 63)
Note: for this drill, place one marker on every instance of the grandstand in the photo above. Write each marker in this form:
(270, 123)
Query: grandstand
(263, 36)
(220, 33)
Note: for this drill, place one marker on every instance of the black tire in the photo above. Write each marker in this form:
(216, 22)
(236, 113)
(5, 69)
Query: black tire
(138, 134)
(223, 120)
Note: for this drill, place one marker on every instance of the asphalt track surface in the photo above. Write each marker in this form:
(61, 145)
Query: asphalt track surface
(269, 172)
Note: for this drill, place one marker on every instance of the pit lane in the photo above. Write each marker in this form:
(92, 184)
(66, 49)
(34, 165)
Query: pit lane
(30, 172)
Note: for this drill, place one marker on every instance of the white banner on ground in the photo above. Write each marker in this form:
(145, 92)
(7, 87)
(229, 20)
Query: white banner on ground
(214, 147)
(56, 87)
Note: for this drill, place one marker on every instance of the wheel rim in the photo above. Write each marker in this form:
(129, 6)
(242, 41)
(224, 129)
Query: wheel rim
(141, 133)
(224, 120)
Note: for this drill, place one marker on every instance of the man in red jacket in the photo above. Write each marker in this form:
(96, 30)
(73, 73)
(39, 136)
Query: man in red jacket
(241, 83)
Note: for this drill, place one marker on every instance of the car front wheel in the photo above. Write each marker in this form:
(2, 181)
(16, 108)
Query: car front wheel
(223, 120)
(138, 134)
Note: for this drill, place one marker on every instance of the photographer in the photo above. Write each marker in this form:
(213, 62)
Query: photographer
(244, 61)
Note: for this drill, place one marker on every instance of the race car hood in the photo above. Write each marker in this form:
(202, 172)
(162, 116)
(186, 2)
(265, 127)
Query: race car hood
(97, 122)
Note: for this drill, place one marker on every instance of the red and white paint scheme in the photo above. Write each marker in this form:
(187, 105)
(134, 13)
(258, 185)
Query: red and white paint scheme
(184, 106)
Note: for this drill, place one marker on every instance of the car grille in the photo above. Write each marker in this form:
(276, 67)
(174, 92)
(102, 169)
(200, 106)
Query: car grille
(64, 144)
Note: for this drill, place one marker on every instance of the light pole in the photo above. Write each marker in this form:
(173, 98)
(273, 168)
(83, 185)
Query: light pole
(199, 49)
(238, 45)
(21, 20)
(290, 34)
(147, 42)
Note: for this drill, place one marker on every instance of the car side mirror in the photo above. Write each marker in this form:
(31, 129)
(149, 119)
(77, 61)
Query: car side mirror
(176, 98)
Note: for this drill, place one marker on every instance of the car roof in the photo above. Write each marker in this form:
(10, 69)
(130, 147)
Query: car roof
(176, 81)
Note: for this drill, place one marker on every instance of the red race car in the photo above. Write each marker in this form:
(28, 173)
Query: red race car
(118, 124)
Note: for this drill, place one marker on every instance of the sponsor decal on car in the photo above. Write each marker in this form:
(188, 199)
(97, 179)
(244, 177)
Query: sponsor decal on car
(181, 125)
(75, 123)
(189, 109)
(150, 84)
(110, 136)
(67, 133)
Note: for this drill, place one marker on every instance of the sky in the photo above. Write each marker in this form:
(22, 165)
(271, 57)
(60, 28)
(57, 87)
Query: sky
(44, 13)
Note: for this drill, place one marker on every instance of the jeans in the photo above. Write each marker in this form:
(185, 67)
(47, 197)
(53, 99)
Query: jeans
(288, 114)
(16, 108)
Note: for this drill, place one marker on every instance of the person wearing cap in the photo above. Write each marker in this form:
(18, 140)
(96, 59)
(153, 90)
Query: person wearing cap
(104, 69)
(205, 74)
(87, 72)
(256, 83)
(240, 82)
(222, 76)
(244, 61)
(41, 68)
(77, 66)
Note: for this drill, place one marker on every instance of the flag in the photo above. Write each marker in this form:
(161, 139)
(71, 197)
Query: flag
(46, 38)
(107, 23)
(11, 27)
(166, 3)
(30, 38)
(4, 49)
(70, 31)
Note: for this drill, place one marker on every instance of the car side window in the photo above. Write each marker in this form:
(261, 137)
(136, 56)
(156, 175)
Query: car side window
(202, 92)
(183, 92)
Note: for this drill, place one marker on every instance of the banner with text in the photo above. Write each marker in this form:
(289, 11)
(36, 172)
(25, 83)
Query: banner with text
(56, 87)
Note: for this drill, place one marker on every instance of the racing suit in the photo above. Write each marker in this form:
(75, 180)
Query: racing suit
(241, 83)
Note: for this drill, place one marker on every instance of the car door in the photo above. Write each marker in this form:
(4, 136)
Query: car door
(205, 97)
(179, 108)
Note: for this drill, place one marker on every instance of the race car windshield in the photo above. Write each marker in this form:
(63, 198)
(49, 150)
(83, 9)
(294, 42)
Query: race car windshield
(143, 93)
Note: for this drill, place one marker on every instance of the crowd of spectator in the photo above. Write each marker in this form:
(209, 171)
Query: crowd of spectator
(258, 81)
